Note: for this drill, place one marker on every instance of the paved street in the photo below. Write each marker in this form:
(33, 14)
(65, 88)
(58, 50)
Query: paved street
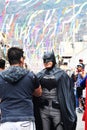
(80, 123)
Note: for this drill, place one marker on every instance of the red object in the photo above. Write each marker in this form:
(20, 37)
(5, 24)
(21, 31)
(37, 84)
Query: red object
(85, 112)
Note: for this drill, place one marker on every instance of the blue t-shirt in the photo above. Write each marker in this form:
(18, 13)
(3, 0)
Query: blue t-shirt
(79, 79)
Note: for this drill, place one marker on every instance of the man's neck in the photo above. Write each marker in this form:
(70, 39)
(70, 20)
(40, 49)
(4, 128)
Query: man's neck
(17, 65)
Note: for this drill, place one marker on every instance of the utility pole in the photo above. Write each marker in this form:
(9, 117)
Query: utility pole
(73, 44)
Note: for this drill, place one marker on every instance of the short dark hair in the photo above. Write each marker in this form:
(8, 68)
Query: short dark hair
(14, 54)
(2, 63)
(80, 60)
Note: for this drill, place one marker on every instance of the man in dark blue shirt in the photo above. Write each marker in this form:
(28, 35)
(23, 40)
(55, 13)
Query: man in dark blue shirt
(2, 67)
(17, 87)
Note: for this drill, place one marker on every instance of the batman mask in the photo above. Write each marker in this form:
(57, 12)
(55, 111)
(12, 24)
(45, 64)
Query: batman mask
(49, 56)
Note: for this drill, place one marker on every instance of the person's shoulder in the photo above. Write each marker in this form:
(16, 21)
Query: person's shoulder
(40, 73)
(59, 70)
(31, 74)
(64, 74)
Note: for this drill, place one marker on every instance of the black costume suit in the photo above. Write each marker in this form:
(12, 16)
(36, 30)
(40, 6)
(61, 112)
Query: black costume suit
(65, 98)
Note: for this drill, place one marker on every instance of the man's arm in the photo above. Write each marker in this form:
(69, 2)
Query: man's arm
(37, 88)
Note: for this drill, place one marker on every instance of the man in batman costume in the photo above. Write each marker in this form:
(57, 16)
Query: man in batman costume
(57, 103)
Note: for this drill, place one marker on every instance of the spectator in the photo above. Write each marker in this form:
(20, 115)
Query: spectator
(2, 67)
(83, 84)
(80, 75)
(2, 64)
(57, 103)
(17, 86)
(81, 62)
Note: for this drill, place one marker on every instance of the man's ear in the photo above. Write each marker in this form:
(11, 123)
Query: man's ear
(21, 61)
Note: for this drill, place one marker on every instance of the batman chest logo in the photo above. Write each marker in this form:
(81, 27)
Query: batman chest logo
(49, 82)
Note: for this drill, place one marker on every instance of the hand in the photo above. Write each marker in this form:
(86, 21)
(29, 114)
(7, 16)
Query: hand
(37, 92)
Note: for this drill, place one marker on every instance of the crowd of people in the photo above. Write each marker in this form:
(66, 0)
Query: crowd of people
(42, 101)
(80, 86)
